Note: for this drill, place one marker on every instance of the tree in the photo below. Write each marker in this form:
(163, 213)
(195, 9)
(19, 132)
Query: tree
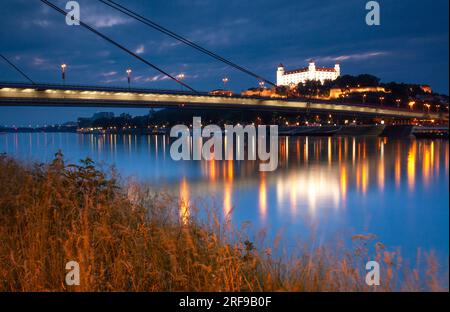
(309, 87)
(366, 80)
(281, 90)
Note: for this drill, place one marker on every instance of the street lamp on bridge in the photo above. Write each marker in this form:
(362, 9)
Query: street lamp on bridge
(63, 73)
(129, 77)
(180, 77)
(225, 81)
(261, 87)
(411, 104)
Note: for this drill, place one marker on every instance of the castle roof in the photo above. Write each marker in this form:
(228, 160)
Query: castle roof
(295, 71)
(305, 69)
(325, 69)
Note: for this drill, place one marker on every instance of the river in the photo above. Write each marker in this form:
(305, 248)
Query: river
(324, 187)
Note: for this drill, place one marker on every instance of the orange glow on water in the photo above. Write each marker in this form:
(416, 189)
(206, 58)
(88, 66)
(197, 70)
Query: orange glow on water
(315, 190)
(262, 197)
(359, 151)
(344, 182)
(381, 169)
(305, 151)
(411, 166)
(432, 155)
(212, 170)
(365, 177)
(345, 148)
(381, 176)
(230, 168)
(329, 151)
(364, 150)
(398, 166)
(353, 151)
(358, 177)
(317, 149)
(287, 149)
(227, 199)
(426, 165)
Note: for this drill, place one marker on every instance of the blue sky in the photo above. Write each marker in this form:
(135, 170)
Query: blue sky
(410, 45)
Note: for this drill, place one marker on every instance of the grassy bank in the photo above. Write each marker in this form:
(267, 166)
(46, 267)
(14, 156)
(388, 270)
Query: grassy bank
(127, 239)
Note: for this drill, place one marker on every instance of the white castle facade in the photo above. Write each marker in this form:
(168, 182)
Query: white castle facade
(312, 72)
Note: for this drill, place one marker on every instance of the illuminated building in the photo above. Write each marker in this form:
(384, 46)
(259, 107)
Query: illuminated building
(312, 72)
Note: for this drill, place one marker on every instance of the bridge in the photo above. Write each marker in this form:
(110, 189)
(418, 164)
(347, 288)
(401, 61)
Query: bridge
(62, 95)
(19, 94)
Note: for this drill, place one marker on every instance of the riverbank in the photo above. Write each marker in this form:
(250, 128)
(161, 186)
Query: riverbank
(394, 131)
(125, 238)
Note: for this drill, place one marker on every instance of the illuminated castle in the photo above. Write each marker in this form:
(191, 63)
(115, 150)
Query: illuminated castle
(293, 77)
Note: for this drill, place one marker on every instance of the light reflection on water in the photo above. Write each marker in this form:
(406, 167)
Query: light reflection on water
(397, 189)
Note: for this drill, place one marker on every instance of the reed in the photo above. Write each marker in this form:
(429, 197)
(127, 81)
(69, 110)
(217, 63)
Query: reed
(127, 238)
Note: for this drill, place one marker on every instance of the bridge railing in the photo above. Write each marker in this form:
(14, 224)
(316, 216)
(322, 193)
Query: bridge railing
(76, 87)
(80, 87)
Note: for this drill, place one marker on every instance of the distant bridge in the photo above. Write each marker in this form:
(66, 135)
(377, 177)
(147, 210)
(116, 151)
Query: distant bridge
(18, 94)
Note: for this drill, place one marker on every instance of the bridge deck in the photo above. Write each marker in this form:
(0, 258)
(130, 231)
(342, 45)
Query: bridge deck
(83, 96)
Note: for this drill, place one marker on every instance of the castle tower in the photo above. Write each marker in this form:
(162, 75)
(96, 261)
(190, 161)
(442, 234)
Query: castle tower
(280, 74)
(312, 70)
(337, 68)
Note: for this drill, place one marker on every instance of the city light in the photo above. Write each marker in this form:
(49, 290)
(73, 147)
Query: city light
(180, 77)
(63, 72)
(129, 77)
(225, 81)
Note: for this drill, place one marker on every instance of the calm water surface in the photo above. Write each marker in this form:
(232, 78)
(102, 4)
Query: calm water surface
(394, 188)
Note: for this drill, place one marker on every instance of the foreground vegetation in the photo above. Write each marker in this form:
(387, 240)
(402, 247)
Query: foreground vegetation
(126, 238)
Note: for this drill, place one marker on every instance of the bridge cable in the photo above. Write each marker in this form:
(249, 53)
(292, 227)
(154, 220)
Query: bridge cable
(120, 46)
(188, 42)
(17, 68)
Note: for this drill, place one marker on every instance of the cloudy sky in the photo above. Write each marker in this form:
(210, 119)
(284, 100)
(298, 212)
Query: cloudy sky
(410, 45)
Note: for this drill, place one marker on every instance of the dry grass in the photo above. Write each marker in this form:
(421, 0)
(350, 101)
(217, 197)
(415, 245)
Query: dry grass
(126, 239)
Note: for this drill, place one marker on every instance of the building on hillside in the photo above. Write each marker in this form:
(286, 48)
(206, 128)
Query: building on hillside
(338, 92)
(221, 92)
(262, 92)
(426, 88)
(312, 72)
